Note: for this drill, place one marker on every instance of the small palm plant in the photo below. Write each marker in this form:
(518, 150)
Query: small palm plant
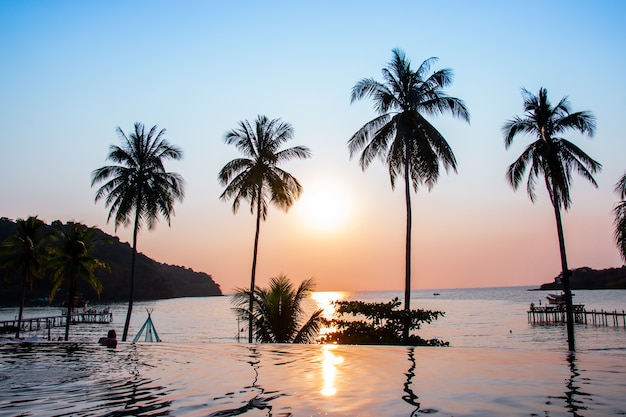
(25, 254)
(277, 311)
(72, 261)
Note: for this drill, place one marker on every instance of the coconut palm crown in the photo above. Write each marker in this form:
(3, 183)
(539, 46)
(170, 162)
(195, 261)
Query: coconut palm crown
(401, 135)
(278, 311)
(72, 261)
(257, 178)
(138, 189)
(552, 158)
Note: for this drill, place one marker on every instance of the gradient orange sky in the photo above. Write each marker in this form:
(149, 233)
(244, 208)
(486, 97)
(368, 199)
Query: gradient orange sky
(74, 71)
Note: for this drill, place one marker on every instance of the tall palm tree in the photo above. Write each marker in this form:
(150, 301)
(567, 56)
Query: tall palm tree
(620, 217)
(277, 311)
(401, 136)
(25, 253)
(553, 158)
(258, 178)
(72, 261)
(139, 188)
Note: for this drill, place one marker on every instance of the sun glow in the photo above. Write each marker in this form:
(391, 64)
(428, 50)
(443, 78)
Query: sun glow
(324, 300)
(325, 207)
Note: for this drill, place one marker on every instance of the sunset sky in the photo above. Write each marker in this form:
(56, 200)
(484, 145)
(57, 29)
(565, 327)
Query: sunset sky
(73, 71)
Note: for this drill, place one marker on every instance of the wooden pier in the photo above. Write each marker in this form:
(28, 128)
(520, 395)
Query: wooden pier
(556, 314)
(37, 323)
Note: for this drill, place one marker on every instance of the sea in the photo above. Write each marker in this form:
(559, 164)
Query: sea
(498, 363)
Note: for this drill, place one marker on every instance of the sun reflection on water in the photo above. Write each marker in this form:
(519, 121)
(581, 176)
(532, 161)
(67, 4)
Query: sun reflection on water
(329, 369)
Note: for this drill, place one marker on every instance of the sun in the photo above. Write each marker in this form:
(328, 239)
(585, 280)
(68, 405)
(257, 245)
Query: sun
(325, 206)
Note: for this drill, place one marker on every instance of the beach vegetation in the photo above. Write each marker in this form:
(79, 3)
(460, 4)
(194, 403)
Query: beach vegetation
(24, 254)
(620, 217)
(363, 323)
(154, 280)
(137, 188)
(552, 158)
(278, 311)
(72, 261)
(401, 136)
(258, 178)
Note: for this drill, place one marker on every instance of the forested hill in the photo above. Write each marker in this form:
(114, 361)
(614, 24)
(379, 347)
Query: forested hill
(593, 279)
(154, 280)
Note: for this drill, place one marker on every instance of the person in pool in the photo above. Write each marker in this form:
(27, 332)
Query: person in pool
(110, 340)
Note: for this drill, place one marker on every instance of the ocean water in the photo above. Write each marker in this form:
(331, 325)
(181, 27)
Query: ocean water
(498, 364)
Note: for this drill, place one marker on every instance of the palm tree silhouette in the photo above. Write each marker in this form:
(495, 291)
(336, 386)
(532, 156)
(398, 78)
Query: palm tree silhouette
(71, 261)
(620, 217)
(553, 158)
(257, 177)
(410, 146)
(139, 189)
(277, 311)
(25, 253)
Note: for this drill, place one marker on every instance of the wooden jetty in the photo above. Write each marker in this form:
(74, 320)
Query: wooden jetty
(556, 314)
(37, 323)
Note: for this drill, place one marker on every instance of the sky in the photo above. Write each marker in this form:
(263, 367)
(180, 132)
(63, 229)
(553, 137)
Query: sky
(74, 71)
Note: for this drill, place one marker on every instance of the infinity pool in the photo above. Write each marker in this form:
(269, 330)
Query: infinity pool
(164, 379)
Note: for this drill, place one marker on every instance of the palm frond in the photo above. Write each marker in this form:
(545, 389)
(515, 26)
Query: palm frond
(140, 178)
(620, 187)
(620, 228)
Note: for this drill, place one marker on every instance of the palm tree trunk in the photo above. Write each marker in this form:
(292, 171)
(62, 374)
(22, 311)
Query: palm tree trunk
(19, 316)
(407, 260)
(253, 275)
(569, 310)
(70, 307)
(131, 296)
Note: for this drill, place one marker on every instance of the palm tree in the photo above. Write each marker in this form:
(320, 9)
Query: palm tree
(72, 261)
(553, 158)
(257, 177)
(401, 136)
(620, 217)
(139, 188)
(277, 311)
(25, 253)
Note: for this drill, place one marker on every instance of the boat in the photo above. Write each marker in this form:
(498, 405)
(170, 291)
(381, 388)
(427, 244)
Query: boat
(556, 299)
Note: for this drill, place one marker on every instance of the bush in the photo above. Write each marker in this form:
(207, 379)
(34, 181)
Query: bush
(382, 324)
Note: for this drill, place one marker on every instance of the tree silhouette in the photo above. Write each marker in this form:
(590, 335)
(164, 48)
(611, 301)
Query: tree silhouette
(258, 178)
(401, 136)
(139, 189)
(553, 158)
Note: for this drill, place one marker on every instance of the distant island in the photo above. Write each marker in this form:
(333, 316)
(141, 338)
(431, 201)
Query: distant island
(586, 278)
(154, 280)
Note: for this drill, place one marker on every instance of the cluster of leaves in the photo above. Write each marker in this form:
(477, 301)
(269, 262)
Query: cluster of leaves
(382, 324)
(278, 312)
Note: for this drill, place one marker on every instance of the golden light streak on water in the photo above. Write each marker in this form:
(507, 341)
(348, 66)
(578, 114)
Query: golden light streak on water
(329, 369)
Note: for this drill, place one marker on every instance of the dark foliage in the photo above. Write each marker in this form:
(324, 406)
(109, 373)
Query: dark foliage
(154, 280)
(383, 324)
(592, 279)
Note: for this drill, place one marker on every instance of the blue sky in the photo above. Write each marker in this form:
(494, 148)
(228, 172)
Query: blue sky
(74, 71)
